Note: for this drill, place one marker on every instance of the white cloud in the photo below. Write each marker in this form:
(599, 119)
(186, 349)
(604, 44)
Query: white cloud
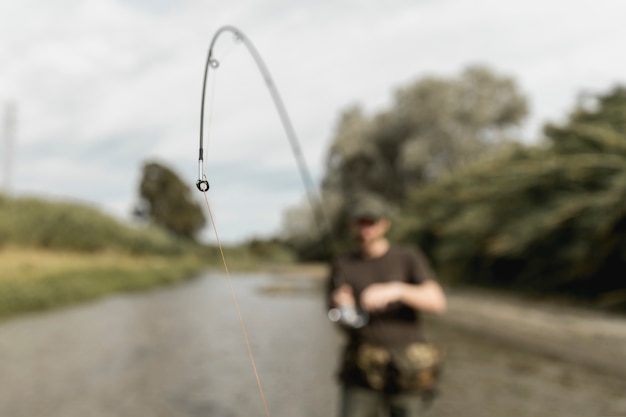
(103, 85)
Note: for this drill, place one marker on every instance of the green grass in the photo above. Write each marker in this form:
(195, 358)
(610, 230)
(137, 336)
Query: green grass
(36, 279)
(58, 253)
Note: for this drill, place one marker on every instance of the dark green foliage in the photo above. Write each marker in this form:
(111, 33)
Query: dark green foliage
(168, 203)
(272, 249)
(544, 218)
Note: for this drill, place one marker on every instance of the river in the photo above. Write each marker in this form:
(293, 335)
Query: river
(180, 351)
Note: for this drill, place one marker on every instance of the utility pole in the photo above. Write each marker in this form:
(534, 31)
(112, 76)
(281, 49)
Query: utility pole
(10, 124)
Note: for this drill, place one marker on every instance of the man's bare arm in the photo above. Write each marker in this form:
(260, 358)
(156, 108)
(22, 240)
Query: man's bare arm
(427, 296)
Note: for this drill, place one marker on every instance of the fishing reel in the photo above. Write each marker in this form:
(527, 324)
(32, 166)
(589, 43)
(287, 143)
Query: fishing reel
(348, 316)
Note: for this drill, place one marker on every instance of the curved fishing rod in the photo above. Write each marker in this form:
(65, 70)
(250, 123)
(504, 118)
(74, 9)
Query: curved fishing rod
(203, 184)
(309, 185)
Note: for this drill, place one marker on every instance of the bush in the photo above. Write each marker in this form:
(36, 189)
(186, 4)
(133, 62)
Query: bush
(58, 225)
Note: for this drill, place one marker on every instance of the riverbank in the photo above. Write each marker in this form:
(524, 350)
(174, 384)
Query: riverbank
(559, 329)
(576, 334)
(36, 279)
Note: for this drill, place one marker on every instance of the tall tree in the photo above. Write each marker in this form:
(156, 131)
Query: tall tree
(433, 127)
(167, 202)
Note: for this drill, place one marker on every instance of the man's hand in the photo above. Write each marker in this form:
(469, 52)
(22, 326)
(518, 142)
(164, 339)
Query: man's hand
(379, 296)
(344, 296)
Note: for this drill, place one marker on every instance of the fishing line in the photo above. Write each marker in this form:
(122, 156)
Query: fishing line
(236, 302)
(212, 90)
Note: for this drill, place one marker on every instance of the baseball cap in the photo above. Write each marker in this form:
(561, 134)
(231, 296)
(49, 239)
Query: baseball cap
(369, 207)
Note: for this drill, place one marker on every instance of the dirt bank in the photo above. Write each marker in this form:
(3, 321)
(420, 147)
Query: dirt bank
(576, 334)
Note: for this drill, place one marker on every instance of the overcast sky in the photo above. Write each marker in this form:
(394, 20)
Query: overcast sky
(104, 85)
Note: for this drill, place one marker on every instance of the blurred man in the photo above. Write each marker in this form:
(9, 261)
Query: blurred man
(376, 294)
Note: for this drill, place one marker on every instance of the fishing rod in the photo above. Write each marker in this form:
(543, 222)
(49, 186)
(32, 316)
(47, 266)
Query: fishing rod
(203, 184)
(314, 200)
(346, 315)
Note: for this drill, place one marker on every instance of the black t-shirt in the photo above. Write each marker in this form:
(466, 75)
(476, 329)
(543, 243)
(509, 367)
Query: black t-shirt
(398, 325)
